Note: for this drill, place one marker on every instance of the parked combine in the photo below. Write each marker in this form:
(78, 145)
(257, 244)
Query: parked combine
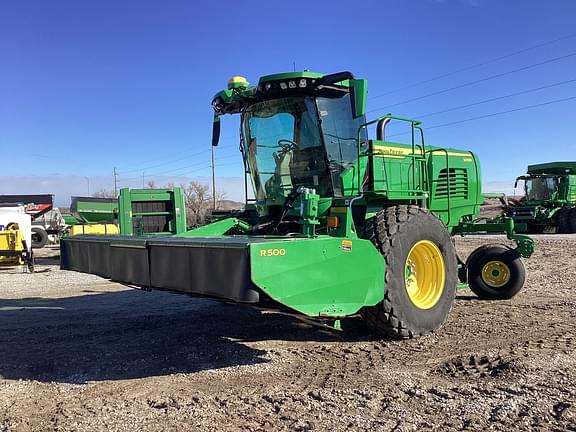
(549, 203)
(345, 224)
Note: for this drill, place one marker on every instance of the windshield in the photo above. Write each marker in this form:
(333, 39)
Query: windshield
(284, 147)
(340, 131)
(541, 188)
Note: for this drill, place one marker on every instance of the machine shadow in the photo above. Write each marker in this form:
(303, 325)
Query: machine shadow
(134, 334)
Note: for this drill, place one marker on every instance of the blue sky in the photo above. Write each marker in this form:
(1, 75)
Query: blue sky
(88, 86)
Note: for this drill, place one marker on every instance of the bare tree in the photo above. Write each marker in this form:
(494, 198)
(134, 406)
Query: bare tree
(104, 193)
(199, 201)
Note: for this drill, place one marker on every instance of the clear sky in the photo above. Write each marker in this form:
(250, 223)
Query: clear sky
(88, 86)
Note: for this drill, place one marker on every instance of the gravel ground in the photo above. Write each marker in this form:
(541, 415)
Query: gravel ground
(80, 353)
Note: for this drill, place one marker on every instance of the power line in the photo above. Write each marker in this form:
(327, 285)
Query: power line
(474, 66)
(532, 90)
(499, 75)
(491, 115)
(173, 160)
(504, 112)
(165, 163)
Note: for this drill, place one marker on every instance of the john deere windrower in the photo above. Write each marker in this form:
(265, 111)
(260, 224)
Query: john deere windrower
(340, 225)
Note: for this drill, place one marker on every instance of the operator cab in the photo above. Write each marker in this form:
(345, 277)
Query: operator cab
(302, 141)
(298, 130)
(541, 187)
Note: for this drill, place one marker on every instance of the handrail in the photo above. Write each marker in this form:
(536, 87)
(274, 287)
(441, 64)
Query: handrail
(415, 124)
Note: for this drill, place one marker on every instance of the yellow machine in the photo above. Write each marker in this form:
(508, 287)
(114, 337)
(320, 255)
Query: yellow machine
(103, 229)
(13, 248)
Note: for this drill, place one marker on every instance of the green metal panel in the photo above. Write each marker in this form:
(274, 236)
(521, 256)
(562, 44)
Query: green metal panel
(217, 228)
(448, 179)
(455, 184)
(152, 211)
(69, 219)
(94, 210)
(398, 171)
(557, 168)
(323, 276)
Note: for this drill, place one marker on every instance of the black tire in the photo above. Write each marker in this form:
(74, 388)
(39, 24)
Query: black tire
(506, 265)
(535, 229)
(572, 220)
(39, 238)
(394, 231)
(564, 221)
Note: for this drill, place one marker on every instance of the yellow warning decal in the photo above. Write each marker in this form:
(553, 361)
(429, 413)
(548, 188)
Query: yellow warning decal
(346, 245)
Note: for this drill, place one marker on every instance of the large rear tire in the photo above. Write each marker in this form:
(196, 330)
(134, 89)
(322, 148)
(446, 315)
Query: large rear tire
(564, 221)
(421, 272)
(39, 238)
(495, 272)
(572, 220)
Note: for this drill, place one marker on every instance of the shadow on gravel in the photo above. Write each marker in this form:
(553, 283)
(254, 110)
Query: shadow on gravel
(133, 334)
(467, 297)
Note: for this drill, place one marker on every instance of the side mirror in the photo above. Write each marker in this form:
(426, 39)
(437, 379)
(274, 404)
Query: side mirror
(358, 96)
(516, 184)
(216, 131)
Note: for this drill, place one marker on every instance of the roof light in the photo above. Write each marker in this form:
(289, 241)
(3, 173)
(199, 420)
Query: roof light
(292, 84)
(303, 83)
(283, 86)
(237, 82)
(268, 86)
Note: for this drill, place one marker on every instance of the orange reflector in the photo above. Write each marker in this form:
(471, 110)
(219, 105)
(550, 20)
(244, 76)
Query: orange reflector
(332, 222)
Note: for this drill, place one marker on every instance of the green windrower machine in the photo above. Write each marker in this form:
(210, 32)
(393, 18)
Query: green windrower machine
(549, 203)
(345, 224)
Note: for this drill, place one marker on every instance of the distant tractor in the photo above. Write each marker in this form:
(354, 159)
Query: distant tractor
(340, 224)
(549, 202)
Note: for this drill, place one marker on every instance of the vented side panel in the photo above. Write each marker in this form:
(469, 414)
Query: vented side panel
(453, 183)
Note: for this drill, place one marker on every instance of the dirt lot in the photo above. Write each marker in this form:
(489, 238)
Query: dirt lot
(80, 353)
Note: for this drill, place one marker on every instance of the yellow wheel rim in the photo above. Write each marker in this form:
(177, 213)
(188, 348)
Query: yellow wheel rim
(495, 274)
(425, 274)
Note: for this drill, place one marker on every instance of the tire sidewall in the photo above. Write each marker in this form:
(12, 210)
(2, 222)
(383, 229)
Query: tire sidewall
(483, 255)
(42, 238)
(422, 226)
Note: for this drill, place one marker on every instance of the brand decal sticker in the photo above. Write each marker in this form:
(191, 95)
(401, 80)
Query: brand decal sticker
(272, 252)
(346, 245)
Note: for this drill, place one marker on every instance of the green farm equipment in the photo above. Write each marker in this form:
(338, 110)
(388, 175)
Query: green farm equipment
(340, 224)
(549, 202)
(135, 212)
(93, 210)
(152, 211)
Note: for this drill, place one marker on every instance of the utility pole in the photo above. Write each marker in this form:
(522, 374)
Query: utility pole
(213, 180)
(115, 182)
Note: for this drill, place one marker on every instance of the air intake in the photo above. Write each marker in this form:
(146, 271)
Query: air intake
(453, 183)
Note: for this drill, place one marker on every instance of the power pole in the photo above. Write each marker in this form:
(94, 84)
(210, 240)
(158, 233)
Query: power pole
(115, 182)
(213, 180)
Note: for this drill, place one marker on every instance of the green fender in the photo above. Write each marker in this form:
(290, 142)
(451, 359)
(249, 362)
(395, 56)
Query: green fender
(322, 276)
